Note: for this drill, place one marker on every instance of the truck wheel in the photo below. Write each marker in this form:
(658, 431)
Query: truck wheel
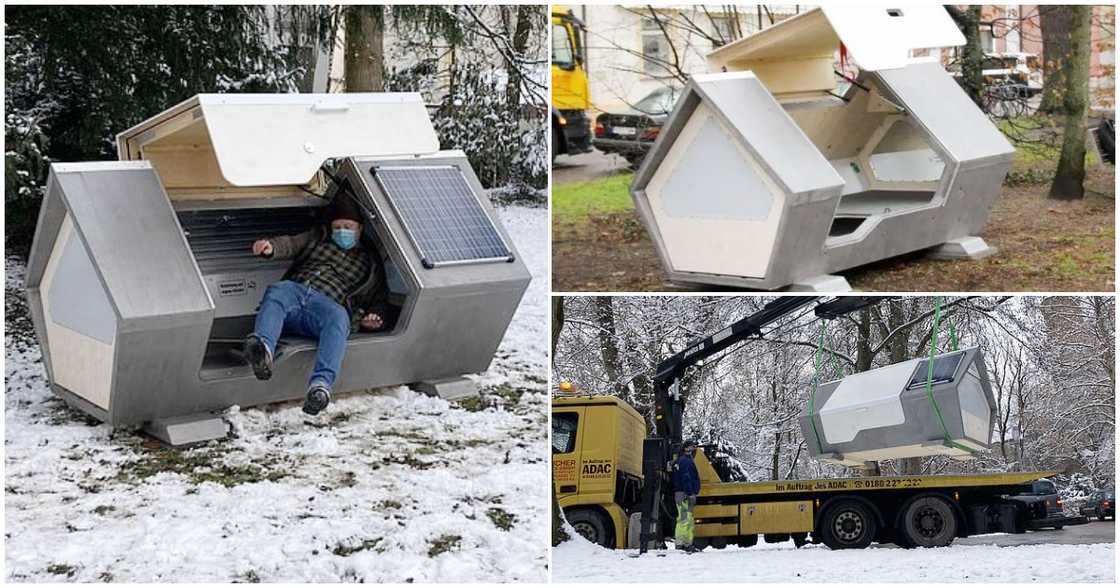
(555, 144)
(718, 542)
(848, 524)
(592, 526)
(929, 521)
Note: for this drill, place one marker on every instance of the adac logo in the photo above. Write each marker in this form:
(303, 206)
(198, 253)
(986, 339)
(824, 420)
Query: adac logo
(597, 468)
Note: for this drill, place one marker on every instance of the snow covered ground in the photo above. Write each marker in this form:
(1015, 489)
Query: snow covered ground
(387, 486)
(578, 560)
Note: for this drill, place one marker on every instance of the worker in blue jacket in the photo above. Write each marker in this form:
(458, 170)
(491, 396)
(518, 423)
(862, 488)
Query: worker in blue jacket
(686, 485)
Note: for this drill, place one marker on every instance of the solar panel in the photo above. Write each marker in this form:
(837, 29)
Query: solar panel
(442, 215)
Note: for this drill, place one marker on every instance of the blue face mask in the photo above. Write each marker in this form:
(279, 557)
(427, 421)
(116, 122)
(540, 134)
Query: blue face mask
(344, 238)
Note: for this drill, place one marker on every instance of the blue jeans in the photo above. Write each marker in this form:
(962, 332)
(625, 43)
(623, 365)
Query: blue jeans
(291, 307)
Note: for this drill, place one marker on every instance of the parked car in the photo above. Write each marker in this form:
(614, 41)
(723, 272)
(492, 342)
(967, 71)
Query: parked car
(632, 132)
(1042, 496)
(1101, 505)
(1106, 137)
(1022, 69)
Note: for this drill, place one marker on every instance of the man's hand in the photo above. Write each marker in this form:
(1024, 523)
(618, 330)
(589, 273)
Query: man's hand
(262, 247)
(371, 322)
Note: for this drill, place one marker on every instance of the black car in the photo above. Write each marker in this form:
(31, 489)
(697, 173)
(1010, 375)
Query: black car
(1106, 138)
(632, 133)
(1041, 496)
(1101, 505)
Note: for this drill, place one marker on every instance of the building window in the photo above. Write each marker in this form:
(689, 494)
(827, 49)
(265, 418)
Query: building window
(656, 53)
(987, 40)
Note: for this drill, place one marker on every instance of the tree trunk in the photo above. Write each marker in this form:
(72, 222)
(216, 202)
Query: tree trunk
(557, 321)
(1054, 21)
(608, 344)
(520, 45)
(558, 534)
(972, 54)
(775, 456)
(364, 69)
(1069, 178)
(863, 342)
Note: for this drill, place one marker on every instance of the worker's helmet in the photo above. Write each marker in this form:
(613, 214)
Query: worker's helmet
(690, 444)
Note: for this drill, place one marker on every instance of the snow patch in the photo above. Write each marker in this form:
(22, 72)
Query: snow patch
(580, 561)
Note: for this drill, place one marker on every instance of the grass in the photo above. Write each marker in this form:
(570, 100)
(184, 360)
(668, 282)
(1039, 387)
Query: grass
(501, 519)
(503, 395)
(1044, 144)
(1042, 244)
(578, 201)
(444, 544)
(342, 550)
(62, 570)
(199, 466)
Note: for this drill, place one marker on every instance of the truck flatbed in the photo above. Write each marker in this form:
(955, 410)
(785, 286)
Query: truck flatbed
(797, 487)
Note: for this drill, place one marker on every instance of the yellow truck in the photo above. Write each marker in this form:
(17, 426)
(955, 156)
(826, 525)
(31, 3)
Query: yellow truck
(597, 471)
(571, 98)
(612, 480)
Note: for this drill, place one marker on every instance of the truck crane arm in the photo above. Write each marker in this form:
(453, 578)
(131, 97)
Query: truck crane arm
(669, 404)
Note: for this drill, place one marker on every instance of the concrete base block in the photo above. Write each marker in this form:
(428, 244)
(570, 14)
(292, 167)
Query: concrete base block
(822, 283)
(188, 430)
(448, 388)
(963, 248)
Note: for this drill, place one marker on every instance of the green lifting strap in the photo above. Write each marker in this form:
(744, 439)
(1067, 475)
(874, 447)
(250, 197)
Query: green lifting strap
(929, 375)
(813, 392)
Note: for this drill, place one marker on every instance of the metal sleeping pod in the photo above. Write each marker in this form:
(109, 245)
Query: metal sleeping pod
(142, 282)
(887, 413)
(770, 173)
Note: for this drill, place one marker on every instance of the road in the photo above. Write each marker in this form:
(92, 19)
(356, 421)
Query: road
(1089, 534)
(1094, 532)
(585, 167)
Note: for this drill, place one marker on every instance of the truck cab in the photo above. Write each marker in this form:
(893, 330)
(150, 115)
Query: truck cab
(571, 97)
(597, 464)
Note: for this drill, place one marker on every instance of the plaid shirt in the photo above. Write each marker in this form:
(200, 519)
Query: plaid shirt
(333, 271)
